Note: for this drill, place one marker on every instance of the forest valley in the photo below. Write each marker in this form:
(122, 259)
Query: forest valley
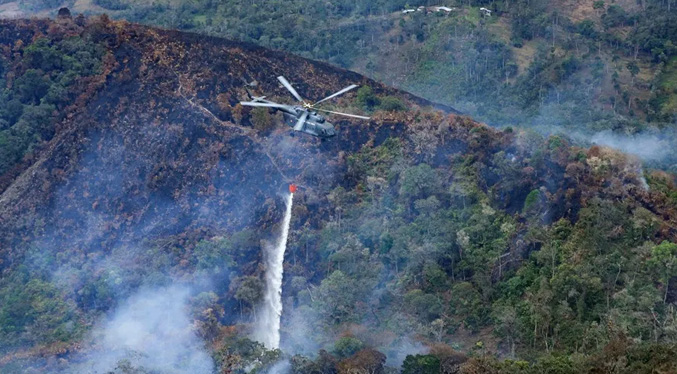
(136, 196)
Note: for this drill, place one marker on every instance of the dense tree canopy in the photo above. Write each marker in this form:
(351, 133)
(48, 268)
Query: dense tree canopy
(422, 240)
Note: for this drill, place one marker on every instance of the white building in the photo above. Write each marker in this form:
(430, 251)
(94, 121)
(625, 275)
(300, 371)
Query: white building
(429, 9)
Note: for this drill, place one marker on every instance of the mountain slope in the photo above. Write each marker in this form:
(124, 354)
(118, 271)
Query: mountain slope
(418, 225)
(194, 102)
(593, 69)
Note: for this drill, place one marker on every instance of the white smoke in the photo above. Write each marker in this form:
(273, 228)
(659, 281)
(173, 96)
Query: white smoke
(648, 147)
(282, 367)
(150, 331)
(404, 347)
(300, 331)
(268, 328)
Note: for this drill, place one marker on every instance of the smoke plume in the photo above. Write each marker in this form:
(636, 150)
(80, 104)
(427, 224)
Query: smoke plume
(649, 147)
(150, 331)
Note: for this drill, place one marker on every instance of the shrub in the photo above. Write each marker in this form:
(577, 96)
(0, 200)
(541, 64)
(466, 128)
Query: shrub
(392, 104)
(366, 98)
(347, 346)
(421, 364)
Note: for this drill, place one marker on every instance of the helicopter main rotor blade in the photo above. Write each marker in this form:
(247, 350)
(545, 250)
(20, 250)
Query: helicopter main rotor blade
(266, 105)
(289, 87)
(338, 93)
(344, 114)
(301, 122)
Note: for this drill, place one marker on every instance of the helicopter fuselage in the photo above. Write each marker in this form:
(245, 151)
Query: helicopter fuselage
(315, 124)
(303, 118)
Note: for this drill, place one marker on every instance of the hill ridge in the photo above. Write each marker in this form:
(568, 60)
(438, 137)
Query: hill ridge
(151, 174)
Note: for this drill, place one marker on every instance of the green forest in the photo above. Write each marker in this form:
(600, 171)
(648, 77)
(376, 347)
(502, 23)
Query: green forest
(534, 63)
(421, 242)
(37, 99)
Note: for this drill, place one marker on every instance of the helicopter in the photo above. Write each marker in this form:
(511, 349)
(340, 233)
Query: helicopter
(304, 117)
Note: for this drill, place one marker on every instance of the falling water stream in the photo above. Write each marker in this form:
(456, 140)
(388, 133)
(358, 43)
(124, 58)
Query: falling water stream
(268, 326)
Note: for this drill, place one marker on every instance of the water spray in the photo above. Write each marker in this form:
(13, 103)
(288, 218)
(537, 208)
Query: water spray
(268, 329)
